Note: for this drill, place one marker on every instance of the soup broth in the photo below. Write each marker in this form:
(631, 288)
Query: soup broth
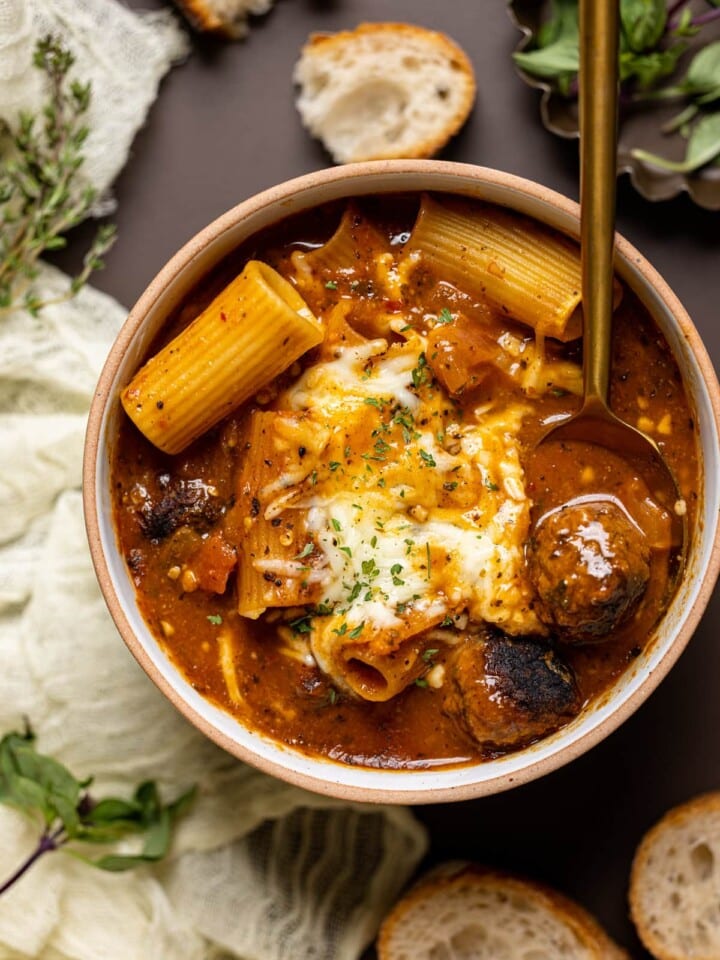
(361, 560)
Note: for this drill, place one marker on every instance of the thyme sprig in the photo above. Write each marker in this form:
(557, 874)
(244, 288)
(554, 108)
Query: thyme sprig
(41, 195)
(69, 816)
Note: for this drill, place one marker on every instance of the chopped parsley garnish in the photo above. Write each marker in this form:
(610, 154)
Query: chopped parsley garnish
(429, 654)
(331, 285)
(410, 545)
(421, 682)
(357, 587)
(428, 458)
(354, 634)
(370, 568)
(215, 619)
(447, 622)
(306, 551)
(419, 373)
(346, 550)
(336, 525)
(373, 542)
(445, 316)
(373, 402)
(491, 486)
(408, 326)
(341, 630)
(301, 624)
(334, 464)
(429, 560)
(347, 452)
(396, 569)
(559, 392)
(450, 485)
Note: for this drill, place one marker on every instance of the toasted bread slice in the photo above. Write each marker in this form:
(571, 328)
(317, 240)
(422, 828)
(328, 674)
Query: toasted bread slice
(675, 883)
(225, 17)
(384, 90)
(465, 912)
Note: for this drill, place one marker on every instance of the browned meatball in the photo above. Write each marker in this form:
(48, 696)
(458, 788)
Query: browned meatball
(506, 692)
(590, 565)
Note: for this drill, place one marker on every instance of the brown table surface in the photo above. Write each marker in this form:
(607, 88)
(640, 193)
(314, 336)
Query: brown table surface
(223, 128)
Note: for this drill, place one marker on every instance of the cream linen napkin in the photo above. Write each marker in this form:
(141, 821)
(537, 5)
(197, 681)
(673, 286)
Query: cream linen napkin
(259, 870)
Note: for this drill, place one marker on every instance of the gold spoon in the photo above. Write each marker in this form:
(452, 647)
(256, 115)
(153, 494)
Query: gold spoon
(595, 423)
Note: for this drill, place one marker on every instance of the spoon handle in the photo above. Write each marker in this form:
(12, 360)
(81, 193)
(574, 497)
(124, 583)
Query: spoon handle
(598, 162)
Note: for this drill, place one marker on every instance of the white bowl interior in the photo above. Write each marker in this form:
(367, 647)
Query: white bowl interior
(410, 785)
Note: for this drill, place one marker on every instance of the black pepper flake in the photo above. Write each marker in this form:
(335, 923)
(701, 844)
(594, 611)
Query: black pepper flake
(254, 507)
(159, 404)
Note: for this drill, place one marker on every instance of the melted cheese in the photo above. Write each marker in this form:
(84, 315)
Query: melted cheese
(414, 515)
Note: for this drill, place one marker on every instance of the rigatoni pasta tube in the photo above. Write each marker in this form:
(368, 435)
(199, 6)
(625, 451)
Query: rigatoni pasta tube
(373, 662)
(251, 332)
(280, 452)
(526, 269)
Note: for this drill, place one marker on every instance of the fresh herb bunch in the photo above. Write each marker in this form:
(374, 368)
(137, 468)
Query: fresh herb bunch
(40, 195)
(653, 37)
(46, 791)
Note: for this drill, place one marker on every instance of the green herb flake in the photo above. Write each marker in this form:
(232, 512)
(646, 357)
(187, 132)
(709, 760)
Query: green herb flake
(334, 464)
(331, 285)
(346, 550)
(450, 485)
(215, 619)
(306, 551)
(336, 525)
(355, 633)
(419, 373)
(445, 316)
(427, 458)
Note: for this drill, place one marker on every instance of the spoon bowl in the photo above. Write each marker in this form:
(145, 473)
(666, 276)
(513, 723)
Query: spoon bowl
(595, 423)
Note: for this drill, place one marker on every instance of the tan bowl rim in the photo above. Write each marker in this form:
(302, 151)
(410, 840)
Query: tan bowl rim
(350, 173)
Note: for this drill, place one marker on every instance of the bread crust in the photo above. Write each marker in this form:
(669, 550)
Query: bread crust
(583, 924)
(204, 19)
(678, 816)
(322, 43)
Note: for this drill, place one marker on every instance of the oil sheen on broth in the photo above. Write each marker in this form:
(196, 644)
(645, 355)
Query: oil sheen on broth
(356, 561)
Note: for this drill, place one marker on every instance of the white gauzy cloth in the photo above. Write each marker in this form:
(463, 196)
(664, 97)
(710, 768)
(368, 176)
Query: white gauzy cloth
(259, 870)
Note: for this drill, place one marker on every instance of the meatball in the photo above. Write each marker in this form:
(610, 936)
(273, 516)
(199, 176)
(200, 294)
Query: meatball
(507, 692)
(590, 565)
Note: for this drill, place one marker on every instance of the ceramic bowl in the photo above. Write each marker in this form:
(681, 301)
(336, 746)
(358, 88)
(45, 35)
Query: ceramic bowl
(172, 285)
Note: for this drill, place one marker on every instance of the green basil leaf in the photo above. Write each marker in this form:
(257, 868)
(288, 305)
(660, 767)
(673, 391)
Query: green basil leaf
(685, 26)
(703, 74)
(704, 143)
(703, 147)
(29, 780)
(557, 52)
(557, 59)
(643, 22)
(113, 808)
(563, 20)
(648, 68)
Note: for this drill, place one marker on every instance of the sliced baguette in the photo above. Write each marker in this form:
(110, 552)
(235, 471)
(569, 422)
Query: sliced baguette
(383, 90)
(225, 17)
(675, 883)
(466, 912)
